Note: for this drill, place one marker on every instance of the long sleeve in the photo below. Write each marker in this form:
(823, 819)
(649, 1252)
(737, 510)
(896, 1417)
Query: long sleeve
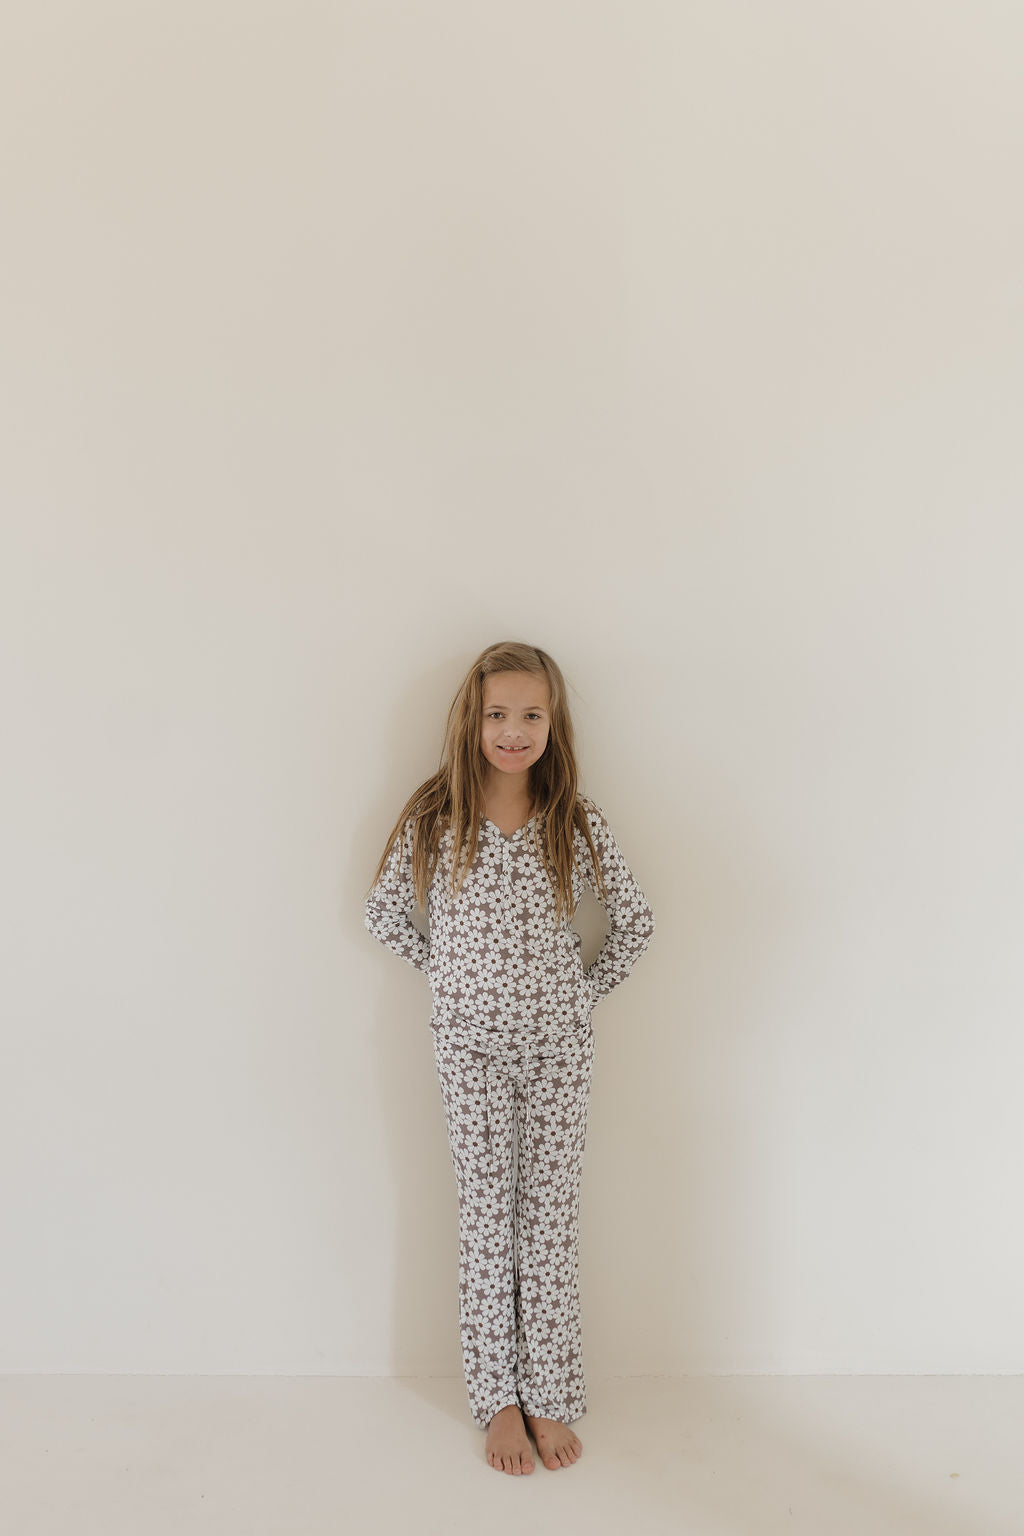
(630, 918)
(391, 901)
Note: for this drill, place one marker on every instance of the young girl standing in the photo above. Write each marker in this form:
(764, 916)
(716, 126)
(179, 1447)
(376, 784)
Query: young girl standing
(499, 844)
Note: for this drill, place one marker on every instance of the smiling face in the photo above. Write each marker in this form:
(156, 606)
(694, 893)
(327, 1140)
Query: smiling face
(516, 722)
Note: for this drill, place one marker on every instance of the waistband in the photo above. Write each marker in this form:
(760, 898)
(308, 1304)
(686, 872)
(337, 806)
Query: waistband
(537, 1032)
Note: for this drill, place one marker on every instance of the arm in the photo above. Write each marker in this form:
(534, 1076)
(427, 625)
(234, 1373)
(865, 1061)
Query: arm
(390, 903)
(631, 921)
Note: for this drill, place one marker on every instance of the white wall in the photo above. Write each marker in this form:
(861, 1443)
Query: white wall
(684, 340)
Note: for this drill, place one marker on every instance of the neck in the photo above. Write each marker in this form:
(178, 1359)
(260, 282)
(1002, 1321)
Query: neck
(499, 791)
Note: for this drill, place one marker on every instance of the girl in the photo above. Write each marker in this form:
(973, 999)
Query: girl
(500, 843)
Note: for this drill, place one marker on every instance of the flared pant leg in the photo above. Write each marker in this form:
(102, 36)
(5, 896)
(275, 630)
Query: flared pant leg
(552, 1128)
(519, 1302)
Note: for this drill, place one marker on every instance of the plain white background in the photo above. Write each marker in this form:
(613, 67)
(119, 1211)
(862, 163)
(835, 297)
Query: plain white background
(684, 340)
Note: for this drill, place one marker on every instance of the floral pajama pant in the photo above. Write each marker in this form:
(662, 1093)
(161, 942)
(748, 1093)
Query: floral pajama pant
(519, 1303)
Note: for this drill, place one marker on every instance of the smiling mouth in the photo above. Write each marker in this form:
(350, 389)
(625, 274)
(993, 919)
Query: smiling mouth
(513, 749)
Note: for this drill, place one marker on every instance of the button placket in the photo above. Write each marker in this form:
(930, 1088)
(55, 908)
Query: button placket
(506, 884)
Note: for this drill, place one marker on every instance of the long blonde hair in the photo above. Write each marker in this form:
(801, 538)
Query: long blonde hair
(454, 795)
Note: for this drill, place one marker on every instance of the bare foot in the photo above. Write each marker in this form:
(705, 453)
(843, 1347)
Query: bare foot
(556, 1443)
(507, 1448)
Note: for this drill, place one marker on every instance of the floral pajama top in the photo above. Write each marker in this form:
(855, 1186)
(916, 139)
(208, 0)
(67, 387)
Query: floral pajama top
(495, 955)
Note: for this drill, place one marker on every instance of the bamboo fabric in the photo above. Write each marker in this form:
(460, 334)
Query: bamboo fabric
(495, 955)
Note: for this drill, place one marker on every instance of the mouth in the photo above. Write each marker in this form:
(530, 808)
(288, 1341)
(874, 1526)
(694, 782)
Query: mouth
(513, 750)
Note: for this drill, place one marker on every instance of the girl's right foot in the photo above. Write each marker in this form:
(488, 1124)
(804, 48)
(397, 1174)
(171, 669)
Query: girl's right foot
(507, 1448)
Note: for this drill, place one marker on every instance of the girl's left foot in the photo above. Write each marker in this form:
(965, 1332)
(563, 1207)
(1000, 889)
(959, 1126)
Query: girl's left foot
(557, 1446)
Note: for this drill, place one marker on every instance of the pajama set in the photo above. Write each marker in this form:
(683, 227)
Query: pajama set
(514, 1048)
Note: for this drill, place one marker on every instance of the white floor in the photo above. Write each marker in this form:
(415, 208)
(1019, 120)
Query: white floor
(719, 1456)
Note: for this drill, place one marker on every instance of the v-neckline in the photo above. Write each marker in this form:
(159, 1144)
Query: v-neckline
(509, 837)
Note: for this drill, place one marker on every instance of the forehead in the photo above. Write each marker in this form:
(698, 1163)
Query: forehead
(516, 690)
